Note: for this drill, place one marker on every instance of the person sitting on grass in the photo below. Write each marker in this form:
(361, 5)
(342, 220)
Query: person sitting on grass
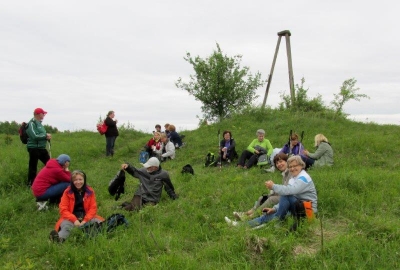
(154, 146)
(168, 148)
(152, 179)
(323, 154)
(294, 147)
(174, 136)
(51, 181)
(77, 207)
(300, 188)
(227, 151)
(254, 150)
(280, 161)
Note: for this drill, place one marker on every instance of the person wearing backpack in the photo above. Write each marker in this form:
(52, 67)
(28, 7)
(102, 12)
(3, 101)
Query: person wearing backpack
(51, 181)
(152, 180)
(111, 133)
(36, 145)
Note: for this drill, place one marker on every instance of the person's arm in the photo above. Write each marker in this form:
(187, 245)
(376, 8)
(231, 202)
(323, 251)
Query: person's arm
(233, 144)
(250, 148)
(169, 150)
(90, 206)
(34, 133)
(64, 208)
(169, 188)
(110, 123)
(321, 150)
(298, 187)
(267, 145)
(285, 149)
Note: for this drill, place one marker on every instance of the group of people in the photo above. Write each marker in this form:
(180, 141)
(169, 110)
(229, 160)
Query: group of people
(75, 198)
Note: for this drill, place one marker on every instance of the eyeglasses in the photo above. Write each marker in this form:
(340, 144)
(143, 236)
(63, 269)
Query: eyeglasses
(293, 166)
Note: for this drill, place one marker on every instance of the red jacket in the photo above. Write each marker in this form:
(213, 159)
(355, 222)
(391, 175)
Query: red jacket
(53, 173)
(155, 143)
(68, 202)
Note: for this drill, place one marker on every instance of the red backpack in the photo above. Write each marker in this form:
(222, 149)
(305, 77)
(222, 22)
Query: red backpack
(102, 128)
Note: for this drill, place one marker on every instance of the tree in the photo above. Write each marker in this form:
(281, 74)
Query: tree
(347, 92)
(220, 84)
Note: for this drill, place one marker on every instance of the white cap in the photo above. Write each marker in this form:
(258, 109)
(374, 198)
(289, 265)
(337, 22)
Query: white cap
(152, 162)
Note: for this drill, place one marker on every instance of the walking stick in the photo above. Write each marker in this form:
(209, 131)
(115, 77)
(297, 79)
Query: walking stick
(219, 150)
(49, 148)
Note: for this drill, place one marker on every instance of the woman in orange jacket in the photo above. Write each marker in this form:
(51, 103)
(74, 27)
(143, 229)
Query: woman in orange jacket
(77, 207)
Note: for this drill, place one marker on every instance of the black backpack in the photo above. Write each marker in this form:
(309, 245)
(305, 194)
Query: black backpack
(187, 169)
(22, 132)
(114, 221)
(210, 160)
(117, 185)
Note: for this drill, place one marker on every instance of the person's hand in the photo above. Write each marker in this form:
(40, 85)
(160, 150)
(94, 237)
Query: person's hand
(77, 223)
(124, 166)
(269, 211)
(48, 136)
(83, 222)
(256, 152)
(305, 152)
(269, 184)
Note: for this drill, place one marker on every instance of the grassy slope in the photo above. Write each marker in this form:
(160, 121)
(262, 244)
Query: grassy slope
(358, 204)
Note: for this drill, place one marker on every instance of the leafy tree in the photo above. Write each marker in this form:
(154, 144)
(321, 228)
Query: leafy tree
(220, 84)
(347, 92)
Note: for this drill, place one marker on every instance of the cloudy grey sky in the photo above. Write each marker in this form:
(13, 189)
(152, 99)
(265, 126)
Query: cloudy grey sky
(79, 59)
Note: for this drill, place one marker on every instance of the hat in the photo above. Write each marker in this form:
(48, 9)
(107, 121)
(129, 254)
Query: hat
(39, 111)
(62, 159)
(152, 162)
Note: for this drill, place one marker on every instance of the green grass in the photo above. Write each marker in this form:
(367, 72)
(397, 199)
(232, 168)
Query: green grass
(359, 203)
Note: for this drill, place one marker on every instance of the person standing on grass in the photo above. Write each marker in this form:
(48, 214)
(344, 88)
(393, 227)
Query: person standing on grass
(51, 181)
(300, 188)
(323, 154)
(152, 180)
(250, 156)
(36, 146)
(78, 206)
(111, 133)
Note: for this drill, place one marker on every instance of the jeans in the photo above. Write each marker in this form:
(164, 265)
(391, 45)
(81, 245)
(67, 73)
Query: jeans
(36, 154)
(54, 193)
(110, 142)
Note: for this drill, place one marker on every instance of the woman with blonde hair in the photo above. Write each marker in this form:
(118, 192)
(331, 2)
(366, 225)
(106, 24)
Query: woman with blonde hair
(323, 154)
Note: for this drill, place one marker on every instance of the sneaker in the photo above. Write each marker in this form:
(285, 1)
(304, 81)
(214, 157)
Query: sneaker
(230, 222)
(239, 215)
(228, 160)
(270, 170)
(42, 206)
(259, 226)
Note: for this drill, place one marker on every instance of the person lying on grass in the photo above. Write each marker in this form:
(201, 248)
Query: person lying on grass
(300, 188)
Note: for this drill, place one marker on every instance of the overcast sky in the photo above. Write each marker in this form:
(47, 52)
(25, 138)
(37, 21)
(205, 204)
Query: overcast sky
(80, 59)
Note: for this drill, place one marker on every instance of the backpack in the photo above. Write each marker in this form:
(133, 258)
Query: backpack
(210, 160)
(102, 128)
(187, 169)
(22, 132)
(263, 160)
(117, 185)
(143, 156)
(115, 220)
(92, 229)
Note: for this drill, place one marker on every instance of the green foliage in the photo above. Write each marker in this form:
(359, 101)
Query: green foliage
(358, 203)
(11, 128)
(221, 84)
(347, 92)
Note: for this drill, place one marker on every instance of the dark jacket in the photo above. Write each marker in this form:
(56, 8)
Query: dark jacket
(151, 184)
(175, 138)
(112, 130)
(36, 134)
(231, 149)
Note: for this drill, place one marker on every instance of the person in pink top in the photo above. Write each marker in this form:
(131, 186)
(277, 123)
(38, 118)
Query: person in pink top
(51, 181)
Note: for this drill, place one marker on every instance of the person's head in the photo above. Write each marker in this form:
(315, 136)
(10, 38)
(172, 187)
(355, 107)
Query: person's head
(39, 114)
(157, 135)
(111, 114)
(280, 161)
(319, 138)
(227, 135)
(158, 128)
(152, 164)
(295, 165)
(63, 160)
(166, 126)
(171, 128)
(260, 135)
(78, 180)
(163, 137)
(294, 139)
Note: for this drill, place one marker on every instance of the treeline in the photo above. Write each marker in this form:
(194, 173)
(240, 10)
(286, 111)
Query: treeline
(11, 128)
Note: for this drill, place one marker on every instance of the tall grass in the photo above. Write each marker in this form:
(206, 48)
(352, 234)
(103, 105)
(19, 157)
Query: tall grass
(358, 203)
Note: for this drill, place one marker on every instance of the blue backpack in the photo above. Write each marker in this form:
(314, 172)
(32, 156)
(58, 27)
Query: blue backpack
(143, 156)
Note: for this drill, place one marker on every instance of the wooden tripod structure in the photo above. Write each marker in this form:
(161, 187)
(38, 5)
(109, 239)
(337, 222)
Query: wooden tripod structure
(286, 34)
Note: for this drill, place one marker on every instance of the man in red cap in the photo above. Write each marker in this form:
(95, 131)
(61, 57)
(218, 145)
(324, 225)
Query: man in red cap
(37, 140)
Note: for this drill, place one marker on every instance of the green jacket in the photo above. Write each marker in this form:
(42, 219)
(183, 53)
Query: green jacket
(323, 155)
(264, 144)
(37, 134)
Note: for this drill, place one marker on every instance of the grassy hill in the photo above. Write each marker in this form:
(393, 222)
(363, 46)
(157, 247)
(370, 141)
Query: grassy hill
(359, 203)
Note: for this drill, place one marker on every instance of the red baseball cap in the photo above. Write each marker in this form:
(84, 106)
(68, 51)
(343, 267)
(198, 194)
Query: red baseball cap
(39, 111)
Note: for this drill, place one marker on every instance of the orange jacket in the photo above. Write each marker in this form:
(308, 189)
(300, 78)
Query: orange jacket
(67, 206)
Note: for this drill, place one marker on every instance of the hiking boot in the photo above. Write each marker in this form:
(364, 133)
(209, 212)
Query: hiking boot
(42, 206)
(54, 237)
(239, 215)
(231, 222)
(270, 170)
